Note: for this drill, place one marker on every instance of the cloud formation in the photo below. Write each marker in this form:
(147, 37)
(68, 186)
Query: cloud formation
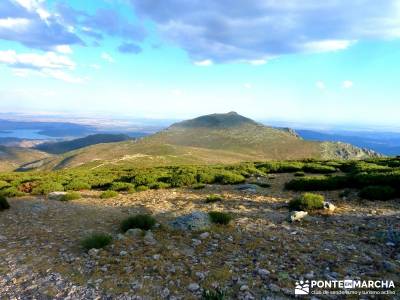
(254, 31)
(30, 24)
(129, 48)
(48, 64)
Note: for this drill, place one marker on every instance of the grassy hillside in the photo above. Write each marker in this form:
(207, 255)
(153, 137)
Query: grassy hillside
(12, 157)
(66, 146)
(217, 138)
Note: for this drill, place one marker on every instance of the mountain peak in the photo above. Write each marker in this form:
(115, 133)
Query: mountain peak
(227, 120)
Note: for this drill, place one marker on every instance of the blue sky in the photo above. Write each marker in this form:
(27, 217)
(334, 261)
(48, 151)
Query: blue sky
(300, 61)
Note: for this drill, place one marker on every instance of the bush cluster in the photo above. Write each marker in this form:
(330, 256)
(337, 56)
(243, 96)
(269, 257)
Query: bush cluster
(141, 221)
(220, 217)
(108, 194)
(96, 241)
(307, 202)
(214, 198)
(4, 203)
(70, 196)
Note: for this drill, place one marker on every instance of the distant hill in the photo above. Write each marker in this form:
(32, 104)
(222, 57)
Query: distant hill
(211, 139)
(66, 146)
(12, 157)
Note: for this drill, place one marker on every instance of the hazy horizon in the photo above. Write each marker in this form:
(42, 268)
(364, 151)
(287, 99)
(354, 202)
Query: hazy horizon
(181, 59)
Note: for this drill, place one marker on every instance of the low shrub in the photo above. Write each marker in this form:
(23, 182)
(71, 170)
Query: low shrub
(4, 203)
(378, 192)
(227, 177)
(11, 192)
(144, 179)
(318, 183)
(122, 186)
(96, 241)
(307, 201)
(214, 198)
(70, 196)
(185, 179)
(108, 194)
(77, 185)
(198, 186)
(220, 217)
(141, 221)
(141, 188)
(318, 168)
(47, 187)
(3, 184)
(280, 166)
(159, 185)
(299, 174)
(206, 177)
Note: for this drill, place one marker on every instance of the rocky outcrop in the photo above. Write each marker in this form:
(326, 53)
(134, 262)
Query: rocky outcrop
(339, 150)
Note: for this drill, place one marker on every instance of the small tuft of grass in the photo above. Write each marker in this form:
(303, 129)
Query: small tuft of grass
(300, 174)
(220, 217)
(214, 198)
(216, 294)
(141, 221)
(378, 192)
(198, 186)
(96, 241)
(71, 196)
(4, 203)
(141, 188)
(108, 194)
(307, 201)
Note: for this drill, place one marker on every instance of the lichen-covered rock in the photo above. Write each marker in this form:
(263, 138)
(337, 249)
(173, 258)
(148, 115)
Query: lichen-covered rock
(297, 215)
(57, 196)
(195, 221)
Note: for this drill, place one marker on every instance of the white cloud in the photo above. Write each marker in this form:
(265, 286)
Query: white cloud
(95, 66)
(49, 60)
(65, 49)
(327, 45)
(61, 75)
(248, 85)
(13, 23)
(107, 57)
(347, 84)
(320, 85)
(257, 62)
(203, 63)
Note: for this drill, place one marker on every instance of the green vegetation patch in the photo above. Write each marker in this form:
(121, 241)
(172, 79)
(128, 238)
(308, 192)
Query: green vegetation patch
(307, 202)
(214, 198)
(4, 203)
(47, 187)
(221, 218)
(141, 221)
(96, 241)
(71, 196)
(108, 194)
(377, 192)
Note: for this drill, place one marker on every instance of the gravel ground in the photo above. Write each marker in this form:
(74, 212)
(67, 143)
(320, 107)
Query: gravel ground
(259, 255)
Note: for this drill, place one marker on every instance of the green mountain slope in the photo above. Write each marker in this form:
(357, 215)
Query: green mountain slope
(217, 138)
(66, 146)
(12, 157)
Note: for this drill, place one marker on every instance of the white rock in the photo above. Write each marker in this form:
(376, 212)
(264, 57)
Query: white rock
(204, 235)
(123, 253)
(329, 206)
(244, 287)
(93, 252)
(134, 232)
(263, 273)
(3, 238)
(297, 215)
(56, 195)
(156, 256)
(196, 242)
(193, 287)
(149, 238)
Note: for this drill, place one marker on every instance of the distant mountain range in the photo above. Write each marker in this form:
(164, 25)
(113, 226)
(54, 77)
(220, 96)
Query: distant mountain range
(387, 143)
(210, 139)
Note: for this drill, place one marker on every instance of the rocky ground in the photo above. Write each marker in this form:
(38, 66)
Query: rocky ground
(259, 255)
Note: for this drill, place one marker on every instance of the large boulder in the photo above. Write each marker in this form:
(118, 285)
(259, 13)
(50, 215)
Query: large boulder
(57, 196)
(197, 220)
